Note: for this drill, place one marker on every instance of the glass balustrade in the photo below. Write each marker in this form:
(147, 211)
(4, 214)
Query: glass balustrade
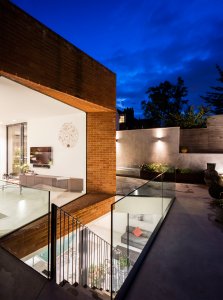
(134, 220)
(20, 205)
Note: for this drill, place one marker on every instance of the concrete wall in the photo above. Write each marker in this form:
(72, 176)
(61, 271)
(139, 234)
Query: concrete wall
(135, 147)
(204, 140)
(200, 160)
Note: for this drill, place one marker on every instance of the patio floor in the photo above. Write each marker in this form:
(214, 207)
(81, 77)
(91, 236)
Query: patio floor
(185, 261)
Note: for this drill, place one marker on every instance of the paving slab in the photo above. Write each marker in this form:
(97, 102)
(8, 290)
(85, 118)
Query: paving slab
(186, 259)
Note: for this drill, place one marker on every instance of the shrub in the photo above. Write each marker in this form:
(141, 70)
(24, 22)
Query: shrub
(157, 167)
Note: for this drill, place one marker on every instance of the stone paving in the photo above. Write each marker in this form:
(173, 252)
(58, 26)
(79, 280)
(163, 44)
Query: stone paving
(186, 259)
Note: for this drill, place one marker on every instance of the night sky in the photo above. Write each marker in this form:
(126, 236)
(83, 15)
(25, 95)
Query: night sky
(143, 41)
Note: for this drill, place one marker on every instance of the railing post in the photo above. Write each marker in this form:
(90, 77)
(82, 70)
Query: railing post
(53, 241)
(83, 252)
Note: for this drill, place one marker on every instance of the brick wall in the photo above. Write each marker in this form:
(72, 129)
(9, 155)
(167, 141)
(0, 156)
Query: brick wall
(32, 51)
(101, 153)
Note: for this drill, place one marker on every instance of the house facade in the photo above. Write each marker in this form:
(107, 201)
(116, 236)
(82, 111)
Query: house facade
(34, 57)
(55, 98)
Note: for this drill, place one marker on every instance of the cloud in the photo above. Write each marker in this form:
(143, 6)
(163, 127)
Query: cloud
(144, 42)
(176, 40)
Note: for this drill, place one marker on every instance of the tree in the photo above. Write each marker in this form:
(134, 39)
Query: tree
(215, 99)
(164, 100)
(191, 118)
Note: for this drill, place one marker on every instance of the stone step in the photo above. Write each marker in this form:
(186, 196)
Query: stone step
(85, 293)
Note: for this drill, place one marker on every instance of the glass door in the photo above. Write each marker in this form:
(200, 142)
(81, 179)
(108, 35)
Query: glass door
(16, 148)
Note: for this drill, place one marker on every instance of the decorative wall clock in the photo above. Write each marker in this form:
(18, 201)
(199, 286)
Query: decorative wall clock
(68, 135)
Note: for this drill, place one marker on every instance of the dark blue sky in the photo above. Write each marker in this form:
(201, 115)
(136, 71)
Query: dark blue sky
(143, 41)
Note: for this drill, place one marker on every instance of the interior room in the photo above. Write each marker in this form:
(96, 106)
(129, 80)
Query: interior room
(42, 147)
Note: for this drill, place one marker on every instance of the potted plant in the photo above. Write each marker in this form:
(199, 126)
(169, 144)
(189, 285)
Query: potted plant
(96, 275)
(124, 262)
(24, 168)
(183, 149)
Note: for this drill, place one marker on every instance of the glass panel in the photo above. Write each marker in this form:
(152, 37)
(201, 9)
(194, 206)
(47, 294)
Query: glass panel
(20, 211)
(20, 205)
(134, 219)
(169, 193)
(24, 143)
(14, 149)
(34, 251)
(17, 147)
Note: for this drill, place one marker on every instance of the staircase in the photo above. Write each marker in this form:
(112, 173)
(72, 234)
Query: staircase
(84, 292)
(80, 259)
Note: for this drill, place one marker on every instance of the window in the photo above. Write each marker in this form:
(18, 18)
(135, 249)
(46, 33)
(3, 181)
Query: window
(122, 119)
(16, 147)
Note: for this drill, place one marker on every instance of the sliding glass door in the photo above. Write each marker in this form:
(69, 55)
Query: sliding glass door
(16, 147)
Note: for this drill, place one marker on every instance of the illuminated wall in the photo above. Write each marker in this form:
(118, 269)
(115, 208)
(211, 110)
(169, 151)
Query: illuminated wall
(135, 147)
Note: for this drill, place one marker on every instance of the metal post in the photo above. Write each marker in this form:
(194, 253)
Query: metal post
(53, 241)
(111, 254)
(83, 249)
(128, 241)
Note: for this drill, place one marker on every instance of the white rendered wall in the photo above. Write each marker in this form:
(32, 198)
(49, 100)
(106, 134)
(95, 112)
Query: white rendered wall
(2, 150)
(68, 162)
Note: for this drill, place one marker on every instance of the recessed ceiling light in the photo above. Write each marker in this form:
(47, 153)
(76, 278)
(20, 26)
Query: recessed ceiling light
(14, 120)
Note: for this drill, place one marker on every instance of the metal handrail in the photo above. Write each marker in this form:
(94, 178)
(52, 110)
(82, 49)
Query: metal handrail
(78, 255)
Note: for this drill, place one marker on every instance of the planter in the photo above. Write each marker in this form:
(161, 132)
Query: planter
(210, 175)
(152, 176)
(148, 175)
(192, 177)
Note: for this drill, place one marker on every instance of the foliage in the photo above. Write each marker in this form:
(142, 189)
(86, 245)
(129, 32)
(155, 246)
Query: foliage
(217, 202)
(157, 167)
(215, 98)
(97, 274)
(187, 171)
(164, 100)
(24, 168)
(191, 118)
(124, 262)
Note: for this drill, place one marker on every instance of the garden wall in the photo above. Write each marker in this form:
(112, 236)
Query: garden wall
(136, 147)
(204, 140)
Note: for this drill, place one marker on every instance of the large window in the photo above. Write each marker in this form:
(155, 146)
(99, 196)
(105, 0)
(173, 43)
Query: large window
(16, 147)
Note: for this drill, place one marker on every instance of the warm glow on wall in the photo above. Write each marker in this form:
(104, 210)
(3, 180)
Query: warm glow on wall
(159, 143)
(159, 133)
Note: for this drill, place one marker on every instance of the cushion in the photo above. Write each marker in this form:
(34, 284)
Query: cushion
(137, 231)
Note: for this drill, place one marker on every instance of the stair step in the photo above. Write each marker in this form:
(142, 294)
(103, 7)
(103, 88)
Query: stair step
(85, 293)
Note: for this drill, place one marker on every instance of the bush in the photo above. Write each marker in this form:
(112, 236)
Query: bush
(157, 167)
